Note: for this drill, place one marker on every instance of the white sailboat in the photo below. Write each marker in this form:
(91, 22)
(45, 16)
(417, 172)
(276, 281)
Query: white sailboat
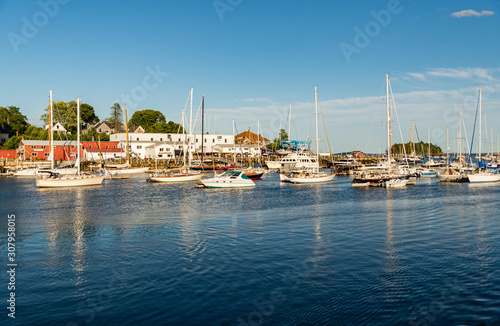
(55, 180)
(314, 175)
(482, 175)
(181, 174)
(455, 174)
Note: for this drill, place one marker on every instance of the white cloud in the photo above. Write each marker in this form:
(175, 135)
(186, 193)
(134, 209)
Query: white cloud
(470, 13)
(415, 75)
(463, 73)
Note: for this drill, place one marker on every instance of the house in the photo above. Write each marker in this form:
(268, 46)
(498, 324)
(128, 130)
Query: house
(66, 150)
(136, 129)
(248, 137)
(57, 127)
(99, 127)
(8, 154)
(106, 149)
(4, 135)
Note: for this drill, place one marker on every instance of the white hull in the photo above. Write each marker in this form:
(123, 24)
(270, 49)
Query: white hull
(130, 171)
(26, 173)
(311, 178)
(395, 183)
(451, 177)
(230, 179)
(67, 171)
(75, 181)
(483, 177)
(176, 178)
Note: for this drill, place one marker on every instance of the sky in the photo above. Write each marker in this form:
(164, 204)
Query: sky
(252, 59)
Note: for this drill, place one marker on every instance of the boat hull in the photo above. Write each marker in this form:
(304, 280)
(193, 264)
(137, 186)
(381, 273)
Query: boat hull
(443, 177)
(130, 171)
(312, 179)
(483, 178)
(175, 178)
(76, 181)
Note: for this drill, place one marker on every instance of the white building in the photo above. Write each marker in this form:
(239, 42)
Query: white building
(164, 146)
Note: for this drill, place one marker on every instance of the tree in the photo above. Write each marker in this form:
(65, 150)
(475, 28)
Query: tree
(169, 127)
(116, 117)
(13, 120)
(276, 143)
(420, 148)
(146, 119)
(93, 135)
(87, 114)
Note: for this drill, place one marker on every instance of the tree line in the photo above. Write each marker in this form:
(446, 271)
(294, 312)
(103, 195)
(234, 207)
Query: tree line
(13, 122)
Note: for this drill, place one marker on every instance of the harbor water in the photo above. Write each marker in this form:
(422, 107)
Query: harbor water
(131, 252)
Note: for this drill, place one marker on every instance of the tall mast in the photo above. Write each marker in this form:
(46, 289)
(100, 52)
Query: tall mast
(447, 148)
(491, 137)
(460, 138)
(190, 126)
(258, 140)
(234, 149)
(388, 123)
(78, 134)
(429, 149)
(290, 124)
(202, 121)
(480, 139)
(51, 136)
(126, 131)
(317, 137)
(184, 149)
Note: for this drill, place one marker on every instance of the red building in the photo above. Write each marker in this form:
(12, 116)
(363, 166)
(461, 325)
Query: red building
(8, 154)
(65, 150)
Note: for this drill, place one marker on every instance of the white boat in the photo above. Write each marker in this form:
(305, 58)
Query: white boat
(229, 179)
(171, 177)
(312, 175)
(130, 170)
(51, 179)
(25, 173)
(426, 173)
(295, 160)
(395, 183)
(450, 175)
(482, 175)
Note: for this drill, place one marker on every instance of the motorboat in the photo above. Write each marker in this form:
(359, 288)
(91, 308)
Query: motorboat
(229, 179)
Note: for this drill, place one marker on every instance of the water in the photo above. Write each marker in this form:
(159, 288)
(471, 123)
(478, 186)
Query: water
(132, 252)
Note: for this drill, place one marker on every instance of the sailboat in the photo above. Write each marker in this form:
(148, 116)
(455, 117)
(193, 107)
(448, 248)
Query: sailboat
(55, 180)
(183, 173)
(383, 179)
(125, 168)
(456, 174)
(482, 175)
(314, 175)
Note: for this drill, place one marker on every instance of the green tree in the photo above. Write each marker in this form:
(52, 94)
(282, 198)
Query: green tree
(276, 143)
(166, 127)
(13, 120)
(116, 117)
(93, 135)
(146, 119)
(87, 114)
(420, 148)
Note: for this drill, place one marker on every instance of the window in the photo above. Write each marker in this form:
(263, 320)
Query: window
(205, 140)
(139, 147)
(151, 139)
(33, 154)
(159, 155)
(107, 146)
(161, 139)
(46, 154)
(33, 147)
(161, 149)
(179, 139)
(114, 146)
(196, 139)
(100, 130)
(225, 140)
(213, 140)
(90, 146)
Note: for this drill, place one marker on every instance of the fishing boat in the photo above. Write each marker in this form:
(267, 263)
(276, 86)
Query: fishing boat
(51, 179)
(312, 175)
(482, 175)
(229, 179)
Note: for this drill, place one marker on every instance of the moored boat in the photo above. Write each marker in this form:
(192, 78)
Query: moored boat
(229, 179)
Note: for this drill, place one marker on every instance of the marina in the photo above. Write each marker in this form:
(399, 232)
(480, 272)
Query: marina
(176, 253)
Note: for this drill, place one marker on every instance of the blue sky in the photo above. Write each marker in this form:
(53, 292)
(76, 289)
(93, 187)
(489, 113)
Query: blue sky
(251, 59)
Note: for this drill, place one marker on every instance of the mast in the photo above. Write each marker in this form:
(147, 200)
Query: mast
(126, 131)
(491, 136)
(202, 121)
(78, 134)
(460, 138)
(388, 123)
(429, 162)
(480, 139)
(234, 149)
(290, 124)
(447, 148)
(184, 151)
(190, 127)
(51, 136)
(258, 140)
(317, 137)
